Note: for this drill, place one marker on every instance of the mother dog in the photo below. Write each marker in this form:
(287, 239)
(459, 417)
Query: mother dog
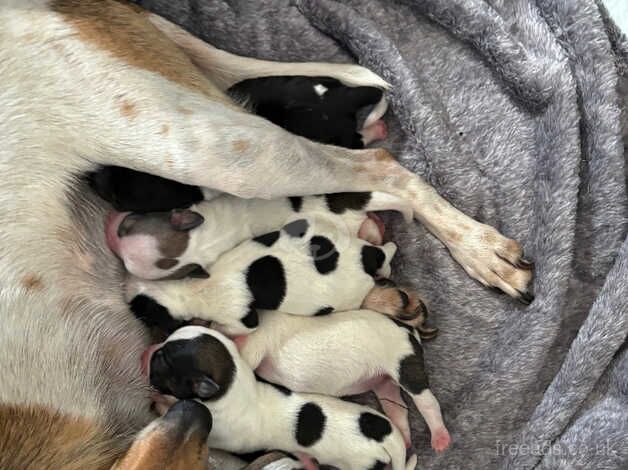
(91, 82)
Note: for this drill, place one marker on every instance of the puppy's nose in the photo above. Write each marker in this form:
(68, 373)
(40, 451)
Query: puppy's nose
(127, 224)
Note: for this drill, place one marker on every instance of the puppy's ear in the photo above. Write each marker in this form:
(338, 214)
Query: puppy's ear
(197, 272)
(184, 220)
(205, 388)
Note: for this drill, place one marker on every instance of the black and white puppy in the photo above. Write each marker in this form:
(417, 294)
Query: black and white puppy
(306, 268)
(174, 244)
(347, 353)
(248, 415)
(321, 109)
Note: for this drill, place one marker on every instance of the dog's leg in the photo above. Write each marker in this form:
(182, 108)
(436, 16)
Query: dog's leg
(218, 147)
(389, 396)
(226, 69)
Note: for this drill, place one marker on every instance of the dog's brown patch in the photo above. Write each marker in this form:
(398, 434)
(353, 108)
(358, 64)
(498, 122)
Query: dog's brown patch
(453, 236)
(185, 111)
(128, 109)
(241, 146)
(38, 437)
(32, 282)
(489, 238)
(125, 33)
(383, 155)
(169, 446)
(165, 128)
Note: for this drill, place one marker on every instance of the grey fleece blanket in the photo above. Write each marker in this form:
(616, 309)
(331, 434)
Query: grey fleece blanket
(511, 109)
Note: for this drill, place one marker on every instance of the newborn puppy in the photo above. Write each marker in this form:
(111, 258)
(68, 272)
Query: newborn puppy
(177, 243)
(321, 109)
(347, 353)
(198, 363)
(306, 268)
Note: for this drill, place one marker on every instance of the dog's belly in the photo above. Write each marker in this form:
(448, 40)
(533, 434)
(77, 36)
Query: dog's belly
(68, 341)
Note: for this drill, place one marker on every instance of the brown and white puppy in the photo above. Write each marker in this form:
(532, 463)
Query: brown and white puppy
(177, 243)
(115, 85)
(199, 363)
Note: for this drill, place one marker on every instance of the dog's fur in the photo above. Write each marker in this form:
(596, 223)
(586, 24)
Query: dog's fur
(96, 82)
(196, 362)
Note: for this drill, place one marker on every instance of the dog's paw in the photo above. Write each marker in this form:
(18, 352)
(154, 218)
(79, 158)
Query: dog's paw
(493, 260)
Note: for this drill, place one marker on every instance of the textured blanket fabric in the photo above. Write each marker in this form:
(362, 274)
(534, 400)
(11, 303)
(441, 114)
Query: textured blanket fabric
(511, 109)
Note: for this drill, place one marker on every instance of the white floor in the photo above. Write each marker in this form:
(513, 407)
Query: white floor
(619, 12)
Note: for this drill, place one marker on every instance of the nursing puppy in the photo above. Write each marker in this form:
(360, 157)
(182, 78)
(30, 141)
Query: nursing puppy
(322, 109)
(174, 244)
(347, 353)
(306, 268)
(199, 363)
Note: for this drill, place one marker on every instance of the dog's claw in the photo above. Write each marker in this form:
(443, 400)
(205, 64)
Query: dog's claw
(525, 264)
(427, 333)
(526, 298)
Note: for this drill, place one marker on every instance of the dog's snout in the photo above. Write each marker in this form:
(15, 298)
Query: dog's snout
(127, 223)
(191, 417)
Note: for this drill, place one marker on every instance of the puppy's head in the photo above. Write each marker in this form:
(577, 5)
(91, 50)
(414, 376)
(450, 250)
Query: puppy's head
(154, 245)
(193, 363)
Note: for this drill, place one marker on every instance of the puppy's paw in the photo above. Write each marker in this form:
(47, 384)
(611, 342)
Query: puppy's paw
(492, 259)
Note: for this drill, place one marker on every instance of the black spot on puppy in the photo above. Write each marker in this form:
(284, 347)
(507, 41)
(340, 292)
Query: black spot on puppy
(286, 391)
(374, 426)
(324, 311)
(266, 280)
(251, 319)
(310, 424)
(412, 375)
(338, 203)
(372, 259)
(378, 465)
(296, 228)
(296, 203)
(324, 253)
(152, 314)
(268, 239)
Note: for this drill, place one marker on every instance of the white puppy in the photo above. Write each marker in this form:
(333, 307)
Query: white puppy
(347, 353)
(249, 415)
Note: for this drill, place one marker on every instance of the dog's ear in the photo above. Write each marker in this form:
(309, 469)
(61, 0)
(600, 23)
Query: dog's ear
(184, 220)
(205, 387)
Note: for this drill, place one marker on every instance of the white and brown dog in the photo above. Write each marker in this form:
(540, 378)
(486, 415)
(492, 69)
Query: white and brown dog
(198, 363)
(98, 82)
